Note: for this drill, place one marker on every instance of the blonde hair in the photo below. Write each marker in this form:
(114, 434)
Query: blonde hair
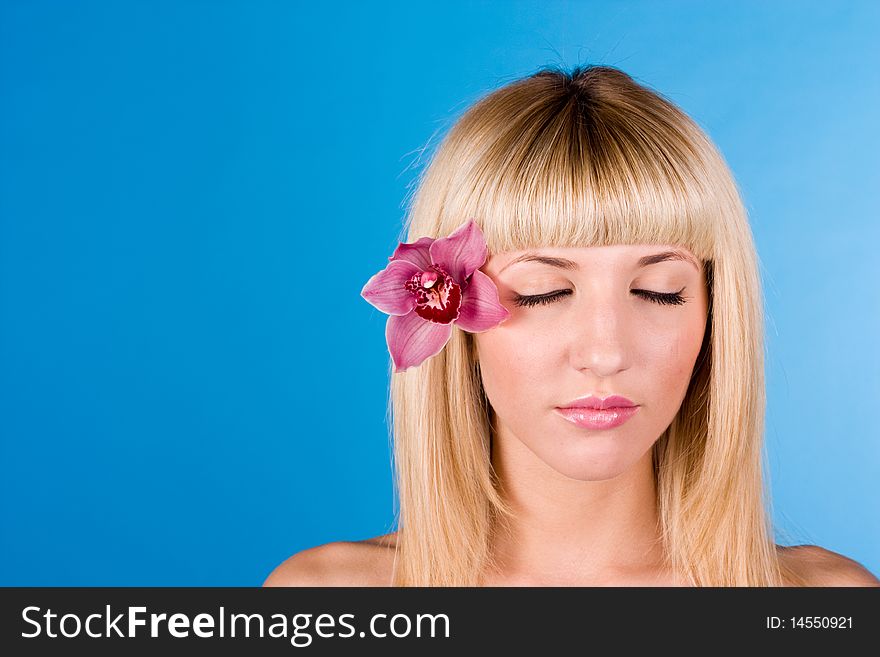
(590, 158)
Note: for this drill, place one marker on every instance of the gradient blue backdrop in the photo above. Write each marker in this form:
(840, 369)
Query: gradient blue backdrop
(192, 195)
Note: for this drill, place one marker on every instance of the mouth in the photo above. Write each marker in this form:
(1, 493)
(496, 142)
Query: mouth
(590, 401)
(596, 418)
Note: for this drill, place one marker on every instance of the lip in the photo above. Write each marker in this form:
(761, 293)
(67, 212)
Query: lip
(598, 419)
(613, 401)
(594, 413)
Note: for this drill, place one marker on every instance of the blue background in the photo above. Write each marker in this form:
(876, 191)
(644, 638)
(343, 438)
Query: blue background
(192, 195)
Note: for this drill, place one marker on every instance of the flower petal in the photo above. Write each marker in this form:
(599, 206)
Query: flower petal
(417, 252)
(480, 309)
(462, 252)
(412, 339)
(386, 290)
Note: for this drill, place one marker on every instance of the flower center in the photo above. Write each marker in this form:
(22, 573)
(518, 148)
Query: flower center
(438, 296)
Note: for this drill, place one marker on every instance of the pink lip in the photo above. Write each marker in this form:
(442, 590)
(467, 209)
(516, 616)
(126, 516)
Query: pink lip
(594, 413)
(614, 401)
(591, 418)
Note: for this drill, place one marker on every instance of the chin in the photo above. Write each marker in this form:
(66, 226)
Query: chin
(602, 457)
(581, 469)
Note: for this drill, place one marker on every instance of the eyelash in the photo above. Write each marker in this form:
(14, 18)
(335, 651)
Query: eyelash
(662, 298)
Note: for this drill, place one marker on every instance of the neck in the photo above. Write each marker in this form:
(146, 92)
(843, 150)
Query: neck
(565, 530)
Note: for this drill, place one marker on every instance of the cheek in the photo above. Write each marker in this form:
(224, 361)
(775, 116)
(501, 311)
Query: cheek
(671, 359)
(511, 368)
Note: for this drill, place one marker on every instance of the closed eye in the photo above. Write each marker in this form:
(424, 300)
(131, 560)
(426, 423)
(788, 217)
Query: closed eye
(662, 298)
(535, 299)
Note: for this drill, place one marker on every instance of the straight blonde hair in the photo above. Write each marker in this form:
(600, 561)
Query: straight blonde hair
(581, 159)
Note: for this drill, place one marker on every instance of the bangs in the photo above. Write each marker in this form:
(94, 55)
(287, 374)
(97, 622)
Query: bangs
(569, 174)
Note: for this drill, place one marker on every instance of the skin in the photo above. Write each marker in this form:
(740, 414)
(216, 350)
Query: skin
(584, 500)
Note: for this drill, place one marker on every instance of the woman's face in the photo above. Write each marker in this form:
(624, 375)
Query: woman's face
(602, 335)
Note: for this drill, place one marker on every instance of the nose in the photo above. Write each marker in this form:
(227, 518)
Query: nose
(599, 335)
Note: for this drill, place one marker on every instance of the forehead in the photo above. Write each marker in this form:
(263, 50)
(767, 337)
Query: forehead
(575, 258)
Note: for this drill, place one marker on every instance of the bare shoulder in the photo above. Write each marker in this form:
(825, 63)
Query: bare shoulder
(821, 567)
(341, 563)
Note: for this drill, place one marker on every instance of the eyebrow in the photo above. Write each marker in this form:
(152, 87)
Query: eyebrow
(564, 263)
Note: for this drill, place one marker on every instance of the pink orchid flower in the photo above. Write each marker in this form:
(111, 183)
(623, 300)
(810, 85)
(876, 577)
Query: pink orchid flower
(428, 286)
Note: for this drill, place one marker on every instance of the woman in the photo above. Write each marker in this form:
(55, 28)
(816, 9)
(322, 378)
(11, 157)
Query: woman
(603, 425)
